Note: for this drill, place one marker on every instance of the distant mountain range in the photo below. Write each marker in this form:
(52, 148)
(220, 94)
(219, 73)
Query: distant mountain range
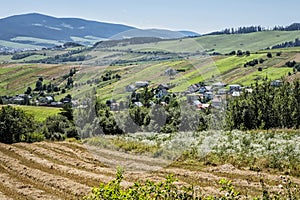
(44, 31)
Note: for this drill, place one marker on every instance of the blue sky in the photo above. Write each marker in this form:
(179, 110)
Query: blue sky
(196, 15)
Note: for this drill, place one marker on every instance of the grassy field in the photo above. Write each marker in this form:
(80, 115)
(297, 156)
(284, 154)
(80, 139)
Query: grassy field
(19, 45)
(271, 73)
(15, 78)
(229, 69)
(252, 41)
(221, 43)
(40, 113)
(36, 41)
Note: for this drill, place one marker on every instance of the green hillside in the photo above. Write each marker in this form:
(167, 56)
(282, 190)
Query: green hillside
(15, 78)
(148, 62)
(251, 41)
(221, 43)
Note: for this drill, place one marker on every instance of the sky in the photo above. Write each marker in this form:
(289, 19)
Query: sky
(194, 15)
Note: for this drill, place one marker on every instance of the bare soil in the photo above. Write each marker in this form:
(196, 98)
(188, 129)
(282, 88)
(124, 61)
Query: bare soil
(64, 170)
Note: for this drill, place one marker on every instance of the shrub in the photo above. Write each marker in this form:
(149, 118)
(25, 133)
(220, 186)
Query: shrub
(15, 124)
(141, 190)
(167, 189)
(34, 137)
(269, 55)
(56, 127)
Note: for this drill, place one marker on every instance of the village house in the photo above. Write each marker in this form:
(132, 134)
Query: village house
(208, 95)
(138, 104)
(194, 88)
(276, 83)
(193, 97)
(45, 100)
(162, 90)
(222, 91)
(218, 101)
(140, 84)
(235, 87)
(218, 85)
(204, 89)
(236, 93)
(20, 99)
(130, 88)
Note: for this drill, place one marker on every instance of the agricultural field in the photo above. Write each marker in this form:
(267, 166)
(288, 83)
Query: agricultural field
(71, 169)
(252, 41)
(220, 43)
(15, 78)
(229, 69)
(40, 113)
(255, 160)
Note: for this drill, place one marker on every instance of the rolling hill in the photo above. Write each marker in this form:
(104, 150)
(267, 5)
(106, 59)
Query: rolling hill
(144, 56)
(224, 43)
(68, 170)
(60, 29)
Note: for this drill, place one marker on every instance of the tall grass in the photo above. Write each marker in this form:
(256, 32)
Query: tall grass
(279, 151)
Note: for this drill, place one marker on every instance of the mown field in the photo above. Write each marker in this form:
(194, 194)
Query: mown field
(68, 170)
(254, 161)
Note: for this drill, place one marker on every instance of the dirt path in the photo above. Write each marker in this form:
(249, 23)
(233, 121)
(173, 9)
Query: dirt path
(64, 170)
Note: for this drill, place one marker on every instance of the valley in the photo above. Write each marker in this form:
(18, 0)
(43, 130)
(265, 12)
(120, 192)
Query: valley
(76, 108)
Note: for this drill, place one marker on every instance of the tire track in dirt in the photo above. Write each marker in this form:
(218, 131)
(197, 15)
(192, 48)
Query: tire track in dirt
(64, 160)
(78, 175)
(66, 186)
(25, 191)
(128, 161)
(4, 197)
(67, 170)
(70, 150)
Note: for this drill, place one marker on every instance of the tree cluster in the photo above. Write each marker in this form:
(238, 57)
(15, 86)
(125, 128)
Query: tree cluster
(240, 53)
(254, 62)
(18, 126)
(239, 30)
(152, 116)
(19, 56)
(293, 64)
(295, 43)
(66, 57)
(266, 107)
(15, 125)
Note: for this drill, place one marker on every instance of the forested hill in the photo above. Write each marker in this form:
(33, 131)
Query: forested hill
(43, 30)
(251, 29)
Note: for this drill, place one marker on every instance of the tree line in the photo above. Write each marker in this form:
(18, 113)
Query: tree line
(295, 43)
(252, 29)
(266, 107)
